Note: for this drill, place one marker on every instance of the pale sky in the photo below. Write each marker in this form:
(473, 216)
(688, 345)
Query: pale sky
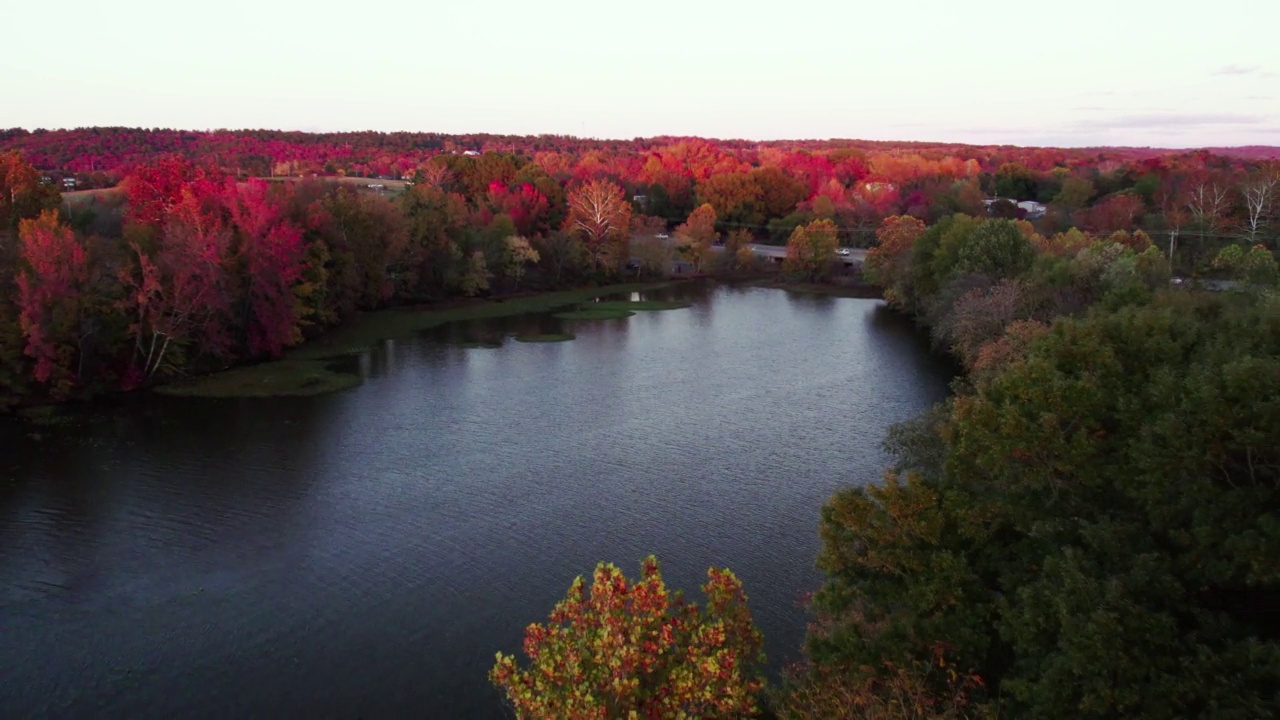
(1083, 72)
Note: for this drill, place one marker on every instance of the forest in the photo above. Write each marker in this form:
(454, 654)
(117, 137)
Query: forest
(1088, 526)
(208, 249)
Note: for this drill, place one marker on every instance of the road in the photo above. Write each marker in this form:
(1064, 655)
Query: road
(856, 256)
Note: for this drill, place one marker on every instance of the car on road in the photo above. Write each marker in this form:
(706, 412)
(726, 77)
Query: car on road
(843, 252)
(663, 236)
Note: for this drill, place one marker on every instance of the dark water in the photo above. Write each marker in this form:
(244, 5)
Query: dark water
(365, 554)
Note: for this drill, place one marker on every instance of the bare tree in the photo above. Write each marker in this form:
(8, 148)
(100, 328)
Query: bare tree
(1259, 201)
(1208, 203)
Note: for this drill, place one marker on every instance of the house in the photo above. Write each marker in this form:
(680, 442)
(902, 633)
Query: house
(1032, 210)
(69, 183)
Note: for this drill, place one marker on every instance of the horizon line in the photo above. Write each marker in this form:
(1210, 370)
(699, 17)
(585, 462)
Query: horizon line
(637, 138)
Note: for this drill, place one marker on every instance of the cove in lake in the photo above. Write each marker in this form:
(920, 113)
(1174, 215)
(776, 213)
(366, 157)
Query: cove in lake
(365, 554)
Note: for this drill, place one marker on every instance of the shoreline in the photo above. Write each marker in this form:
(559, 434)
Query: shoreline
(314, 367)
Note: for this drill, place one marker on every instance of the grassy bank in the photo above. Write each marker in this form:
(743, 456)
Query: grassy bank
(376, 326)
(283, 378)
(309, 369)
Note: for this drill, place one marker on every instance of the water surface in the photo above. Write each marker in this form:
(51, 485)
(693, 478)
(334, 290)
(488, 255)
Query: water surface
(364, 554)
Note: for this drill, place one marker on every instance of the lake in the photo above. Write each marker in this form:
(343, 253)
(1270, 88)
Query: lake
(365, 554)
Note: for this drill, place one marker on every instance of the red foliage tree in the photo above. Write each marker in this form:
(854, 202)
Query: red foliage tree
(155, 189)
(1117, 212)
(272, 252)
(527, 207)
(177, 296)
(50, 284)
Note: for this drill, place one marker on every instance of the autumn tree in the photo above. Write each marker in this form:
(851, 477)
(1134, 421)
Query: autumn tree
(600, 215)
(779, 193)
(270, 248)
(697, 235)
(623, 649)
(177, 290)
(155, 189)
(50, 284)
(22, 195)
(734, 197)
(811, 250)
(887, 263)
(525, 205)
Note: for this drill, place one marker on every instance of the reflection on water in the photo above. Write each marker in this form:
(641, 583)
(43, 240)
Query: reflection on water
(366, 553)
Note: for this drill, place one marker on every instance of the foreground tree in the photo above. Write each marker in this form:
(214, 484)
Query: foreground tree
(1093, 527)
(634, 650)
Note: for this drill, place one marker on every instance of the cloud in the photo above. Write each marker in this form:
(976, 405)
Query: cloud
(1169, 121)
(1234, 69)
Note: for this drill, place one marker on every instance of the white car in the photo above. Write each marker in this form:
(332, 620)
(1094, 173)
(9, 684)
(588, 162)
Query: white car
(843, 252)
(663, 236)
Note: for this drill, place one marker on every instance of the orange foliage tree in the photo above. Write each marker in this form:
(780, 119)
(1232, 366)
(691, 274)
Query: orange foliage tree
(888, 261)
(634, 650)
(697, 234)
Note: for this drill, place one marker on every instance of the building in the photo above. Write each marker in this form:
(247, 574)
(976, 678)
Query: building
(69, 183)
(1029, 209)
(1032, 210)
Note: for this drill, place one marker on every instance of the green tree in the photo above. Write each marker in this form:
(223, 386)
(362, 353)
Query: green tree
(1015, 181)
(520, 254)
(1075, 194)
(1099, 538)
(811, 250)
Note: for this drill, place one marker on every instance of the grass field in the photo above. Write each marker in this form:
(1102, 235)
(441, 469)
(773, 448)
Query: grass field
(393, 187)
(77, 198)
